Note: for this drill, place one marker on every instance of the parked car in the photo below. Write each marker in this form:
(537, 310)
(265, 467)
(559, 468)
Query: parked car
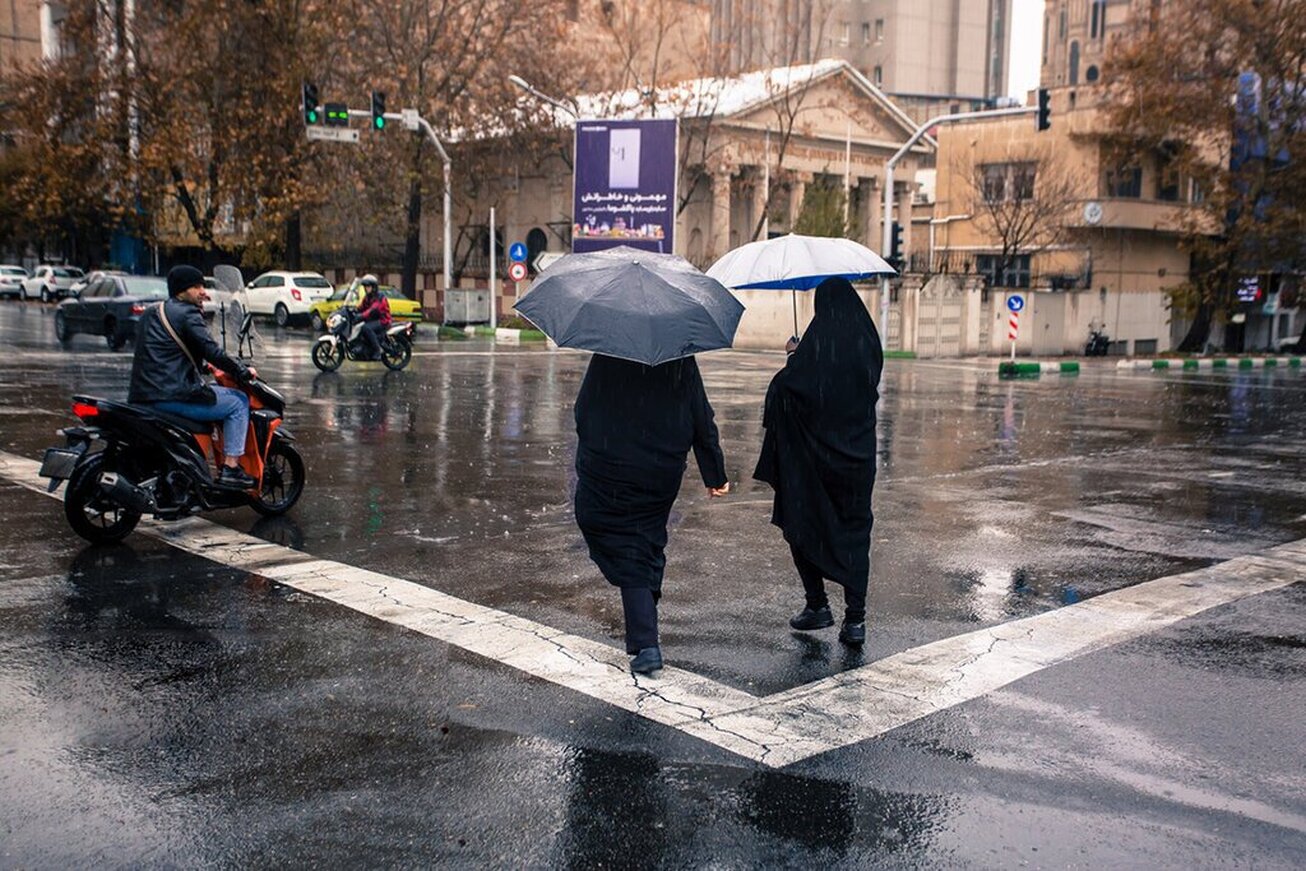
(110, 306)
(49, 283)
(401, 307)
(286, 295)
(11, 280)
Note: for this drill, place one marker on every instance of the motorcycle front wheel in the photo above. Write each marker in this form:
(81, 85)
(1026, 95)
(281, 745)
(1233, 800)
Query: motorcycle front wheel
(91, 515)
(283, 480)
(327, 356)
(396, 354)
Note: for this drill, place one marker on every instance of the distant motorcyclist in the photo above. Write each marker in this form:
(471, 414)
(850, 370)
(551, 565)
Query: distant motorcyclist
(374, 309)
(172, 342)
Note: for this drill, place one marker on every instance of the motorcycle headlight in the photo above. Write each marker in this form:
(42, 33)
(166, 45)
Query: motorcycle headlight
(334, 320)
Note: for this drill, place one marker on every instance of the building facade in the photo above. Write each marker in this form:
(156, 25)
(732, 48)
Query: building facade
(1077, 34)
(927, 55)
(20, 34)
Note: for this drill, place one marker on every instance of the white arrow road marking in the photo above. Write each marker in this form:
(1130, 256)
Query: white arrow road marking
(775, 730)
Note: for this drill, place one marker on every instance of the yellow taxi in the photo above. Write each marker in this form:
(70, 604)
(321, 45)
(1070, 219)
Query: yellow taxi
(401, 307)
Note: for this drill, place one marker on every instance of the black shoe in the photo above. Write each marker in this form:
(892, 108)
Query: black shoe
(236, 478)
(853, 634)
(809, 619)
(647, 661)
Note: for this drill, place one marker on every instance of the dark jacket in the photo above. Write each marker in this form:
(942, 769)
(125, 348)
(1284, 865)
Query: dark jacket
(161, 372)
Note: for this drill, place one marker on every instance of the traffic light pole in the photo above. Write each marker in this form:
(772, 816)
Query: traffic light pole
(887, 236)
(425, 126)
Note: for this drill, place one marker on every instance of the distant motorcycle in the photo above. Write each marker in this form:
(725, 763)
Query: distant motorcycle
(1098, 344)
(344, 340)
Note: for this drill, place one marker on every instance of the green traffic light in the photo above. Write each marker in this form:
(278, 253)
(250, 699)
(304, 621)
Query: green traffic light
(379, 123)
(312, 117)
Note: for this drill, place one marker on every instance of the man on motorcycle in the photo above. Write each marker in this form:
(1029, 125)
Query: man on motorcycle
(375, 312)
(171, 343)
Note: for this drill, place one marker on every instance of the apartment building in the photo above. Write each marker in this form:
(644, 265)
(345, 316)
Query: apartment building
(926, 54)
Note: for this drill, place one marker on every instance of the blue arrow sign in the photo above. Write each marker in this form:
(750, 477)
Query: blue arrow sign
(517, 252)
(1016, 302)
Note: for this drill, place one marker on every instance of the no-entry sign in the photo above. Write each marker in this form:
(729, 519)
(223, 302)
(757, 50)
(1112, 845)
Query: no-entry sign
(517, 271)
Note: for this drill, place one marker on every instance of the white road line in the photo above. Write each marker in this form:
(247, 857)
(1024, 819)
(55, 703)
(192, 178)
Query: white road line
(776, 730)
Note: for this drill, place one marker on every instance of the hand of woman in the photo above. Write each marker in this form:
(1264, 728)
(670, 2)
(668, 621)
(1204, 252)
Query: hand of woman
(717, 492)
(791, 345)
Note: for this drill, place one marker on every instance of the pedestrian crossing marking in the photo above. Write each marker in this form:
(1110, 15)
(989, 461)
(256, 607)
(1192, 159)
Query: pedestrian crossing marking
(776, 730)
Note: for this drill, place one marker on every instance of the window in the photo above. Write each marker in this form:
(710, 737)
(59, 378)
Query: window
(993, 180)
(275, 281)
(879, 30)
(1125, 182)
(866, 33)
(845, 31)
(1003, 182)
(1074, 62)
(1046, 27)
(1098, 28)
(1061, 27)
(1167, 181)
(1016, 273)
(878, 75)
(1091, 74)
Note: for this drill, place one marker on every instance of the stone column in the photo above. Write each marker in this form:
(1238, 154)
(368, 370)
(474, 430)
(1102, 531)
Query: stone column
(873, 212)
(797, 190)
(759, 204)
(720, 213)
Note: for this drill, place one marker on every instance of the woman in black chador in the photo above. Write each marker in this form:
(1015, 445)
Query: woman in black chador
(636, 424)
(819, 455)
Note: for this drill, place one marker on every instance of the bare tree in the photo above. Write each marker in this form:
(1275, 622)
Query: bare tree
(1024, 202)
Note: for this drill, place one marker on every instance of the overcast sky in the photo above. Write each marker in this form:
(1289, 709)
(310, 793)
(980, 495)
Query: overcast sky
(1026, 40)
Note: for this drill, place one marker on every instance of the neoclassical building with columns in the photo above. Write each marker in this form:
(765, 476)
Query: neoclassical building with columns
(789, 126)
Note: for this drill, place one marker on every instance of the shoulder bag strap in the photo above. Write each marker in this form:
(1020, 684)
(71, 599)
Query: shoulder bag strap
(167, 325)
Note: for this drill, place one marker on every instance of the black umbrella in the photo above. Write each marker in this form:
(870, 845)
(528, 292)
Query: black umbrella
(632, 304)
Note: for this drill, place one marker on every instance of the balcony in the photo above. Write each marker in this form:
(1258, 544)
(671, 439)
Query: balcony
(1138, 214)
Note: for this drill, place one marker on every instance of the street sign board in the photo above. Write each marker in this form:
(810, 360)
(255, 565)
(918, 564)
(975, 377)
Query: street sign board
(1015, 302)
(545, 259)
(410, 119)
(333, 134)
(517, 251)
(517, 270)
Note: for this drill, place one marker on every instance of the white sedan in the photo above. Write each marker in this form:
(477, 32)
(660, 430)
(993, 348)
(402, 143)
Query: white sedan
(286, 295)
(11, 280)
(50, 283)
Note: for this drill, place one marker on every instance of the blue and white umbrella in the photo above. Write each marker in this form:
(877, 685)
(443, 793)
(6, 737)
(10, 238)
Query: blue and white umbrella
(796, 263)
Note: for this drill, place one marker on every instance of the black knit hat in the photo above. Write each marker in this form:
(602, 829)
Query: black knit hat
(183, 278)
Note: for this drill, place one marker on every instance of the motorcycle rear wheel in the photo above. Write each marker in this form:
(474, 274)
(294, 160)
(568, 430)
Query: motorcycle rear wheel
(89, 513)
(396, 354)
(283, 480)
(327, 356)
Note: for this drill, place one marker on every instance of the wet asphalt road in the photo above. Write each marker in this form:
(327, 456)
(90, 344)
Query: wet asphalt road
(157, 709)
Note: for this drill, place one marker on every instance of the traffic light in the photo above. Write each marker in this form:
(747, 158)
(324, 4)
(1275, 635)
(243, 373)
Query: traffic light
(378, 110)
(311, 114)
(895, 245)
(337, 115)
(1044, 117)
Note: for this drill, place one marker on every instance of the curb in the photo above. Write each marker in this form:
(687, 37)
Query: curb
(1212, 363)
(1035, 368)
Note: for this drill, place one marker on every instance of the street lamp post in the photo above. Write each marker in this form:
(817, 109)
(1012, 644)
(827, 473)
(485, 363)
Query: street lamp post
(409, 118)
(887, 235)
(540, 95)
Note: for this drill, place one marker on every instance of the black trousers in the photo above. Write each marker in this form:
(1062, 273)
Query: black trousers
(640, 605)
(814, 588)
(371, 336)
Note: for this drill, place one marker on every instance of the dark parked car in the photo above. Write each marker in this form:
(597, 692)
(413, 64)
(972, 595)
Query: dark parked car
(110, 306)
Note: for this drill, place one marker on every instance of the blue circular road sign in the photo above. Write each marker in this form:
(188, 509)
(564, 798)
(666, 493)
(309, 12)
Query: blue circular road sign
(1015, 302)
(517, 252)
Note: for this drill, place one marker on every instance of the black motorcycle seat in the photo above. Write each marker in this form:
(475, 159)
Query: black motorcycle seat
(199, 427)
